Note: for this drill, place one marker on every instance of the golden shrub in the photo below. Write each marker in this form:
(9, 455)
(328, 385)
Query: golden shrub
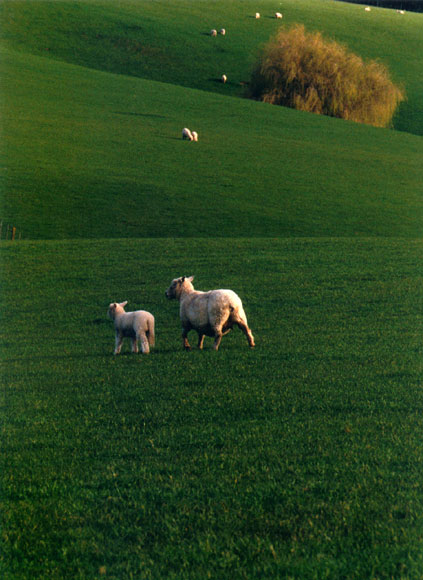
(309, 73)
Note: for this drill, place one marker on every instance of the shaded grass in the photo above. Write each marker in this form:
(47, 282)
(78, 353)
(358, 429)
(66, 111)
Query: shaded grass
(301, 458)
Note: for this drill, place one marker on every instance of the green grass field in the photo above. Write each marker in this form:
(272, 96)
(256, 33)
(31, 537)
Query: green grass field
(300, 459)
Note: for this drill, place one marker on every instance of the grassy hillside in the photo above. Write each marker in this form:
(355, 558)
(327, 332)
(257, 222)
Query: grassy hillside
(168, 41)
(91, 154)
(300, 459)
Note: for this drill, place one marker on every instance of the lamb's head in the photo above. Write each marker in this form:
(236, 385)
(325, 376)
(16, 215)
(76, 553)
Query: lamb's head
(116, 308)
(178, 285)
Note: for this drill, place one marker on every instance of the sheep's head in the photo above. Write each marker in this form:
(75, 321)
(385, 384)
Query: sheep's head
(177, 285)
(116, 308)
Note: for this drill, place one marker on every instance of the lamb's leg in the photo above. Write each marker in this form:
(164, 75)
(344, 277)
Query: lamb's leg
(134, 344)
(200, 340)
(145, 347)
(118, 343)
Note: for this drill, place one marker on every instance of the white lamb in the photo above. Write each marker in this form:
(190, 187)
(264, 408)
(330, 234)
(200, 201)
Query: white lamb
(138, 326)
(194, 136)
(367, 9)
(223, 78)
(213, 32)
(212, 313)
(278, 15)
(257, 15)
(222, 31)
(186, 134)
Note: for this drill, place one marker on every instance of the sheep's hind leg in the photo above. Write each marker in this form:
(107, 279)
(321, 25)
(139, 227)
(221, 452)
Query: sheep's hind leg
(244, 327)
(145, 347)
(200, 341)
(217, 340)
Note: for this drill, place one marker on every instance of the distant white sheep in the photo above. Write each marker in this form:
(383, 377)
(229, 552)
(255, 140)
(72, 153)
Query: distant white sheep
(212, 313)
(400, 11)
(223, 78)
(186, 134)
(194, 136)
(222, 31)
(138, 326)
(213, 32)
(367, 9)
(278, 15)
(257, 15)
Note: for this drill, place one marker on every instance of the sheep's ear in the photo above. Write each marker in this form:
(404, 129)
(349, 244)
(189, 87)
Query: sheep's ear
(123, 304)
(190, 279)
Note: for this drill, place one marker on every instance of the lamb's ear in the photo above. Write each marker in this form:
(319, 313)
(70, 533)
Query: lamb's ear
(123, 304)
(190, 279)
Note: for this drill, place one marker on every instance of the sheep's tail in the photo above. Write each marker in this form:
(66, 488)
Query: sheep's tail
(151, 335)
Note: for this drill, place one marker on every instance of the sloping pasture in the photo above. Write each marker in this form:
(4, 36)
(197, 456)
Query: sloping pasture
(169, 41)
(91, 154)
(300, 459)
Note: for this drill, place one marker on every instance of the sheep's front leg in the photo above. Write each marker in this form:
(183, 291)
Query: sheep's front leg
(185, 342)
(118, 343)
(200, 340)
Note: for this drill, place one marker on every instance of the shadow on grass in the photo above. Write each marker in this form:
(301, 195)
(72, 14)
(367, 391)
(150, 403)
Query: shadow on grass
(131, 114)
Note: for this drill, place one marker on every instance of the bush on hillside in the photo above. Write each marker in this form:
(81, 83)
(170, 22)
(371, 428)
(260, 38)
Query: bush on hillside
(306, 72)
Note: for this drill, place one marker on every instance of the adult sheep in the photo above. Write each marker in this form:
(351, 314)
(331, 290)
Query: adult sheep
(138, 326)
(212, 313)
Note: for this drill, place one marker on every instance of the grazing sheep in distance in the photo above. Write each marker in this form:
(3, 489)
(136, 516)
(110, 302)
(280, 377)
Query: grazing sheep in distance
(257, 15)
(278, 15)
(223, 78)
(194, 136)
(367, 9)
(212, 313)
(222, 31)
(138, 326)
(213, 32)
(186, 134)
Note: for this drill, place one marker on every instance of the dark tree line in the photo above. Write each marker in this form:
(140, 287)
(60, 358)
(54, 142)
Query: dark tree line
(410, 5)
